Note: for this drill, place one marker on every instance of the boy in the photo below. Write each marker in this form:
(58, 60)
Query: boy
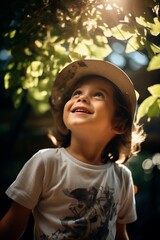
(80, 190)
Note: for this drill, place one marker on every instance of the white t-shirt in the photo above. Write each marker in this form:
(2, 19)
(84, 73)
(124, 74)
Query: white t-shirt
(74, 200)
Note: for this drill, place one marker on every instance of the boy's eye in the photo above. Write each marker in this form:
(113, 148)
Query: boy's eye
(76, 93)
(99, 95)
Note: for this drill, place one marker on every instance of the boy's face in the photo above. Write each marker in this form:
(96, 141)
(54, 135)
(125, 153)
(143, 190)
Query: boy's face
(91, 107)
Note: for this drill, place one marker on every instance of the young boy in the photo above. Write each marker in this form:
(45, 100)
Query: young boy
(81, 189)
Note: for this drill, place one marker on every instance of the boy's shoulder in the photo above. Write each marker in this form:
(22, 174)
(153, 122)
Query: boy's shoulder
(48, 154)
(48, 151)
(44, 156)
(44, 161)
(122, 170)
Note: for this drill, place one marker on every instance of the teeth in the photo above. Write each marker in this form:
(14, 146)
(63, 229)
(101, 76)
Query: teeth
(81, 110)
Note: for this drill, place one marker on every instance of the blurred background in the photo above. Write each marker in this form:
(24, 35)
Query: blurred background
(25, 118)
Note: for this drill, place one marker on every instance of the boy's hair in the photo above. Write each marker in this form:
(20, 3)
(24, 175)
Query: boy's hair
(122, 146)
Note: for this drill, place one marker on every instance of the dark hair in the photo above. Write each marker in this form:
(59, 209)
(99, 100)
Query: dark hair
(122, 146)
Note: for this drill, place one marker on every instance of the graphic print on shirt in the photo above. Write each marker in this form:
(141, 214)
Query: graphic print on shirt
(91, 213)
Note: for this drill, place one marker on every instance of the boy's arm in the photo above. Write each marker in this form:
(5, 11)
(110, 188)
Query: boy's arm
(13, 224)
(121, 233)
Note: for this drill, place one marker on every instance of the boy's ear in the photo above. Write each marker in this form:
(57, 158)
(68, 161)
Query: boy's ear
(118, 132)
(118, 128)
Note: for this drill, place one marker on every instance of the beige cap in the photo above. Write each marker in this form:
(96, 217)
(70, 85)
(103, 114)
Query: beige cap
(75, 70)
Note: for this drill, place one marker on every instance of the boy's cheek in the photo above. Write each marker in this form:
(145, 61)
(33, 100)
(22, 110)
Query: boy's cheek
(66, 116)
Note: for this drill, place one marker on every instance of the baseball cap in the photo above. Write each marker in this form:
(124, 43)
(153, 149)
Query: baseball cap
(81, 68)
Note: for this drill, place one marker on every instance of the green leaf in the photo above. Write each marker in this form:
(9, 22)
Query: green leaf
(154, 110)
(12, 34)
(145, 106)
(7, 78)
(29, 82)
(155, 28)
(17, 97)
(122, 31)
(59, 49)
(155, 90)
(100, 52)
(141, 20)
(81, 49)
(134, 43)
(35, 69)
(154, 63)
(101, 40)
(106, 31)
(38, 95)
(155, 48)
(39, 106)
(75, 56)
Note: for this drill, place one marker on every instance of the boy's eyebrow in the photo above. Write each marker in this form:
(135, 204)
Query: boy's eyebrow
(98, 88)
(105, 91)
(75, 89)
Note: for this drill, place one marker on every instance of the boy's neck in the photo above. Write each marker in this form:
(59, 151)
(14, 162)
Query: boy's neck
(87, 151)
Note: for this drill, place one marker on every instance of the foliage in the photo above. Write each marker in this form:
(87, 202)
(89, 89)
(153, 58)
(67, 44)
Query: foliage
(151, 105)
(44, 36)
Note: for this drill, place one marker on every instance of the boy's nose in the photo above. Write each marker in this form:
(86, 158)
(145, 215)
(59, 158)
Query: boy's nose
(83, 98)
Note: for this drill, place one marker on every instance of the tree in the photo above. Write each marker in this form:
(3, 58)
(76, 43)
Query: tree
(43, 36)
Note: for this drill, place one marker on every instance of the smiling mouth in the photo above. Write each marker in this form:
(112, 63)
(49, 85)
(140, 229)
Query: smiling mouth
(81, 110)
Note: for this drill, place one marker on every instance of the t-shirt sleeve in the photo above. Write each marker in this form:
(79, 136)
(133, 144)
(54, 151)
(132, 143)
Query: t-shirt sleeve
(27, 187)
(127, 211)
